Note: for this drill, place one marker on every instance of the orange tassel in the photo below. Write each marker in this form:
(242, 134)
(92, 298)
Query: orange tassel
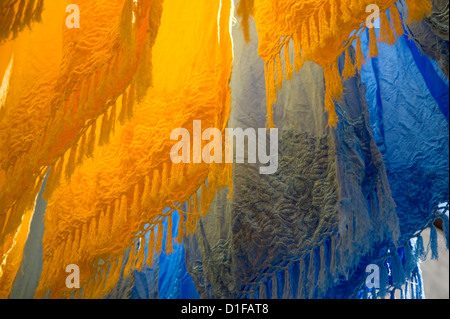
(91, 143)
(349, 68)
(396, 21)
(373, 49)
(169, 247)
(151, 247)
(359, 59)
(179, 238)
(386, 34)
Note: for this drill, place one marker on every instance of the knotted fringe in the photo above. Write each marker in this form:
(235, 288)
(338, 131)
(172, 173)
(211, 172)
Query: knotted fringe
(88, 139)
(400, 274)
(16, 15)
(130, 206)
(244, 10)
(302, 278)
(312, 36)
(349, 68)
(386, 31)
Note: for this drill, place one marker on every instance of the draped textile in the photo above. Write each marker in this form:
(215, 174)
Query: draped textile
(320, 31)
(93, 109)
(122, 193)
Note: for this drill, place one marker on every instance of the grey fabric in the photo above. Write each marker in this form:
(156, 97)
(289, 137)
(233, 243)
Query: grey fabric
(298, 232)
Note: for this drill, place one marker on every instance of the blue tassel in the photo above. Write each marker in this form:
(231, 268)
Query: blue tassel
(398, 274)
(302, 280)
(256, 294)
(410, 261)
(280, 284)
(434, 243)
(419, 287)
(420, 250)
(445, 228)
(413, 290)
(384, 280)
(311, 276)
(294, 274)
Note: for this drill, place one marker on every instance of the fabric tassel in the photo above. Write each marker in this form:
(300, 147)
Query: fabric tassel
(333, 91)
(410, 260)
(396, 21)
(91, 143)
(134, 211)
(262, 291)
(349, 68)
(188, 226)
(156, 183)
(324, 265)
(204, 207)
(112, 118)
(159, 238)
(269, 70)
(324, 28)
(274, 287)
(384, 281)
(298, 62)
(313, 34)
(169, 247)
(294, 274)
(151, 247)
(104, 130)
(179, 238)
(333, 17)
(140, 260)
(445, 229)
(434, 243)
(71, 162)
(386, 33)
(145, 201)
(131, 259)
(398, 274)
(359, 60)
(311, 275)
(420, 250)
(305, 41)
(280, 279)
(245, 10)
(287, 61)
(302, 289)
(279, 73)
(130, 102)
(81, 150)
(373, 48)
(163, 190)
(124, 110)
(116, 217)
(54, 178)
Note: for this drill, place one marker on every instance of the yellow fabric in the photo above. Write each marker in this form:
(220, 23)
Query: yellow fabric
(321, 30)
(61, 81)
(113, 199)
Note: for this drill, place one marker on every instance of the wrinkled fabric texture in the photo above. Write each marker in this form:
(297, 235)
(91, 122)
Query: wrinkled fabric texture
(86, 176)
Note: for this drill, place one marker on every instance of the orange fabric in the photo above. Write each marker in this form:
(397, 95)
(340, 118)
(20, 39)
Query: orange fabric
(61, 81)
(321, 30)
(113, 199)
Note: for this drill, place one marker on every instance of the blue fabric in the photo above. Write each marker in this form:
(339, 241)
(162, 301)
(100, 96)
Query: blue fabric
(174, 282)
(408, 105)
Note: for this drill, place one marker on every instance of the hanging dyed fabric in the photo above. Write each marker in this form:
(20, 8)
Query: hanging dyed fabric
(320, 31)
